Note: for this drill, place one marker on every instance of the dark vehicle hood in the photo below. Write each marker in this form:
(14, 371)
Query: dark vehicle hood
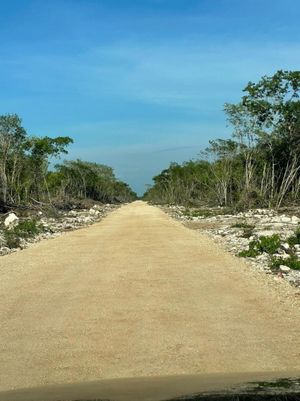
(196, 387)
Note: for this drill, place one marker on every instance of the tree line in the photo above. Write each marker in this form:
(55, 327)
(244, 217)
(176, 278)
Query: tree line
(258, 166)
(26, 176)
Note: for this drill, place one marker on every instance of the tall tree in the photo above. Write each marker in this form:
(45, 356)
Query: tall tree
(40, 150)
(12, 137)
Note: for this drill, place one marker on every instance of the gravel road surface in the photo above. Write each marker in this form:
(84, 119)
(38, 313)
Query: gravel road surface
(138, 294)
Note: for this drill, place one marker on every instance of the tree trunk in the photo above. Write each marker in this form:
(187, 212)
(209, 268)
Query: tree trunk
(3, 187)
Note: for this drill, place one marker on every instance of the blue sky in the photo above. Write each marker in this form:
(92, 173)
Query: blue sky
(138, 83)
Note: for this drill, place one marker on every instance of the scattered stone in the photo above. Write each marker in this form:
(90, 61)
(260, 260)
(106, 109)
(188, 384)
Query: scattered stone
(284, 268)
(281, 255)
(94, 211)
(53, 227)
(285, 246)
(229, 231)
(4, 250)
(11, 220)
(72, 213)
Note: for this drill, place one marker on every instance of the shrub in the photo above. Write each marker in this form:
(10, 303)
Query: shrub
(249, 253)
(292, 262)
(294, 239)
(263, 244)
(11, 239)
(267, 244)
(28, 228)
(25, 229)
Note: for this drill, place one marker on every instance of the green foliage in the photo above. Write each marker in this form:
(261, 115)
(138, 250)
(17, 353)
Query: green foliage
(249, 253)
(275, 101)
(11, 131)
(181, 184)
(44, 147)
(267, 244)
(294, 239)
(263, 244)
(292, 262)
(24, 230)
(80, 179)
(12, 137)
(25, 175)
(258, 166)
(11, 239)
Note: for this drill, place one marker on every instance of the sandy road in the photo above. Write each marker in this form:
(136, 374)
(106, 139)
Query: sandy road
(137, 294)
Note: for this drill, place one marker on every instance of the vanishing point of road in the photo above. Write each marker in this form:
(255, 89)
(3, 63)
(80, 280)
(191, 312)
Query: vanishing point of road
(138, 294)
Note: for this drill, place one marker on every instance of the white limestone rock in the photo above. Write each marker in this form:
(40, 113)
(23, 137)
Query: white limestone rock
(284, 268)
(11, 220)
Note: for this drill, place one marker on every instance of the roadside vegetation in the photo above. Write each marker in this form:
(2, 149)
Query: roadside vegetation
(263, 244)
(257, 167)
(248, 179)
(271, 245)
(41, 194)
(24, 230)
(27, 179)
(267, 238)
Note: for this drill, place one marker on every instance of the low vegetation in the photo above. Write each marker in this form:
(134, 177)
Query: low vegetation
(25, 229)
(269, 245)
(292, 262)
(294, 239)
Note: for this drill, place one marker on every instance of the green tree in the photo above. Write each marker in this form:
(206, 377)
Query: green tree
(258, 166)
(12, 137)
(274, 102)
(40, 150)
(80, 179)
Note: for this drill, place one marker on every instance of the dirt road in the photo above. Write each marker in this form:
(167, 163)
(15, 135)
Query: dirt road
(137, 294)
